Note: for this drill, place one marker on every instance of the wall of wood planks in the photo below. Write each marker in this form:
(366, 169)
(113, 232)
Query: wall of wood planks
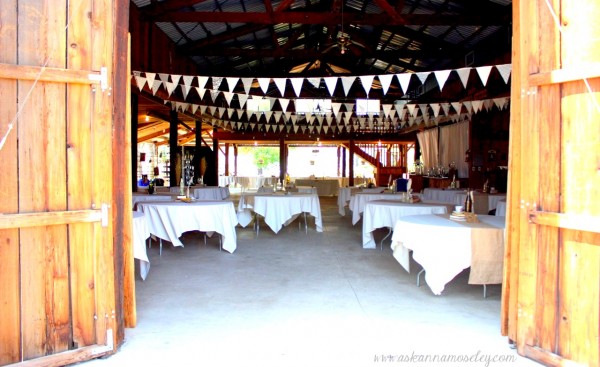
(57, 248)
(552, 270)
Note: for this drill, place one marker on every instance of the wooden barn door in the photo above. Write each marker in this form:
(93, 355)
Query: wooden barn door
(552, 275)
(57, 268)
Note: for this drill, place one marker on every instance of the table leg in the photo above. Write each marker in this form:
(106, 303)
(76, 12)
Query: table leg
(386, 236)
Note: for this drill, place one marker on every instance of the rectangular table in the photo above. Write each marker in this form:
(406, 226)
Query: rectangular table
(444, 248)
(169, 220)
(324, 186)
(358, 201)
(279, 209)
(210, 192)
(385, 213)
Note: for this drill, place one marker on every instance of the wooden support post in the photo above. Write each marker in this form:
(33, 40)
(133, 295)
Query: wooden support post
(134, 137)
(344, 162)
(339, 148)
(235, 155)
(226, 159)
(282, 160)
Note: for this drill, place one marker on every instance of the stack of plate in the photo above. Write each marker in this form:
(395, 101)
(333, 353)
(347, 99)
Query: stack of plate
(459, 216)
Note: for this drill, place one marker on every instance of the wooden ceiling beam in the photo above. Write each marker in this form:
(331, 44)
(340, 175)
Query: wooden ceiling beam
(327, 18)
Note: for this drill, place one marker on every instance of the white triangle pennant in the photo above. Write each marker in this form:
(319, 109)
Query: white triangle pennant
(264, 84)
(442, 76)
(316, 82)
(503, 69)
(469, 106)
(436, 109)
(231, 82)
(349, 107)
(194, 108)
(211, 110)
(331, 82)
(464, 75)
(185, 89)
(404, 80)
(252, 126)
(385, 80)
(221, 112)
(297, 84)
(477, 105)
(488, 104)
(335, 107)
(284, 102)
(367, 82)
(296, 127)
(175, 78)
(247, 82)
(446, 108)
(268, 115)
(387, 108)
(242, 99)
(288, 116)
(484, 73)
(163, 77)
(216, 82)
(228, 97)
(277, 116)
(155, 86)
(200, 92)
(150, 79)
(140, 81)
(202, 81)
(423, 76)
(230, 112)
(457, 106)
(214, 94)
(411, 108)
(203, 109)
(423, 107)
(187, 80)
(347, 82)
(329, 119)
(294, 119)
(280, 83)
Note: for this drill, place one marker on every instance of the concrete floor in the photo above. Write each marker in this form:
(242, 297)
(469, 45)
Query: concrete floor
(297, 299)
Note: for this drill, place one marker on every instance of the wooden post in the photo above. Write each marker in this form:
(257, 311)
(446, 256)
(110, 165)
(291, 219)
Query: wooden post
(226, 159)
(339, 148)
(197, 149)
(173, 149)
(235, 155)
(282, 160)
(134, 137)
(216, 153)
(351, 164)
(344, 161)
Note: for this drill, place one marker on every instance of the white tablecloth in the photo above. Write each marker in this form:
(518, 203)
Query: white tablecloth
(501, 208)
(255, 182)
(279, 209)
(344, 195)
(385, 213)
(225, 181)
(140, 235)
(444, 247)
(442, 195)
(169, 220)
(210, 193)
(358, 201)
(324, 186)
(137, 197)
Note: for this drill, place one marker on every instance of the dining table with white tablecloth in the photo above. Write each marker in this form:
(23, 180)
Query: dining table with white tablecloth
(254, 182)
(140, 233)
(279, 209)
(343, 198)
(482, 202)
(169, 220)
(442, 195)
(501, 208)
(385, 213)
(445, 247)
(359, 199)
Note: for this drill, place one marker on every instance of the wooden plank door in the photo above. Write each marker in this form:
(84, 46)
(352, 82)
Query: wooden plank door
(552, 272)
(57, 268)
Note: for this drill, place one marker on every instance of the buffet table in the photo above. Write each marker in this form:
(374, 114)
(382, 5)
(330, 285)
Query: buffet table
(254, 182)
(169, 220)
(279, 209)
(385, 213)
(210, 193)
(445, 247)
(140, 235)
(324, 186)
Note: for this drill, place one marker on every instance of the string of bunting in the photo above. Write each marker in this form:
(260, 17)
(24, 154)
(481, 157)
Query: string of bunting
(390, 116)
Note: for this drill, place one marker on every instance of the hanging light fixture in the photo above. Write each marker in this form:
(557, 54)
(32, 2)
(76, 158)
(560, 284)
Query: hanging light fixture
(343, 39)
